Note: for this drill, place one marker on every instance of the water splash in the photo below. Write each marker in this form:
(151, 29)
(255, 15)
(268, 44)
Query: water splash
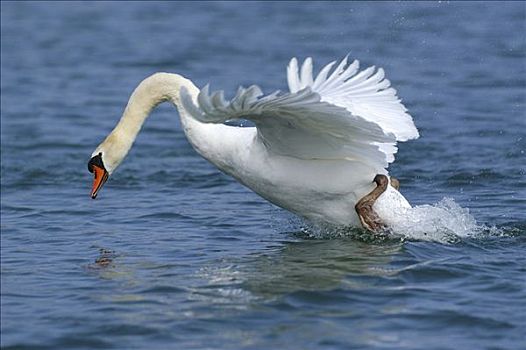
(444, 222)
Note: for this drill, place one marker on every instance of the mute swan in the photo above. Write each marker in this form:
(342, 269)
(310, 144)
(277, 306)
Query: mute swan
(314, 151)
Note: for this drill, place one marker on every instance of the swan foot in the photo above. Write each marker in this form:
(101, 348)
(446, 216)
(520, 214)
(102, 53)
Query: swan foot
(395, 183)
(368, 217)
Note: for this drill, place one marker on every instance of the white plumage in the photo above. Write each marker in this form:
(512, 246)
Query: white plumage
(341, 115)
(314, 150)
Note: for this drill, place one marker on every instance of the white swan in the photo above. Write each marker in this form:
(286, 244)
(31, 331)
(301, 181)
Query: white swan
(313, 151)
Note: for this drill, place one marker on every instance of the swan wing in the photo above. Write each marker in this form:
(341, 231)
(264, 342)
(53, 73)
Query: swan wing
(298, 124)
(364, 93)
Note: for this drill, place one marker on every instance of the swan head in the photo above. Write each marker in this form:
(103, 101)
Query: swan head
(100, 173)
(105, 159)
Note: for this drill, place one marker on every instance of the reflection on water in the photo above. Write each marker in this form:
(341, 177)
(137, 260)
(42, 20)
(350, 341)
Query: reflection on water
(307, 265)
(315, 265)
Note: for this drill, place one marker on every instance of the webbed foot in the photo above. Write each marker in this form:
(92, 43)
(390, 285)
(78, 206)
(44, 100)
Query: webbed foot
(368, 217)
(395, 183)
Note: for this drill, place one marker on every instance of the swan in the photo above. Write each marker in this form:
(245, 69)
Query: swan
(320, 150)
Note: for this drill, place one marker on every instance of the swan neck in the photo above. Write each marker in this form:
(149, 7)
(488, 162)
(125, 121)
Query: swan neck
(151, 92)
(158, 88)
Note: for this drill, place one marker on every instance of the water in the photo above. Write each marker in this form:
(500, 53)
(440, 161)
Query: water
(174, 254)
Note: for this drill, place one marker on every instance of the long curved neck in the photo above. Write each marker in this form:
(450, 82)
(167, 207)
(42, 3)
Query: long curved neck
(156, 89)
(152, 91)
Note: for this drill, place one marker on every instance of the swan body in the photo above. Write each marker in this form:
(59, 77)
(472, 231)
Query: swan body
(313, 151)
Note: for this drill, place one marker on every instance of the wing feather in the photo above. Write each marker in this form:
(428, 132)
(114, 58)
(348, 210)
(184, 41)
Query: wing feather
(292, 75)
(343, 114)
(366, 94)
(297, 124)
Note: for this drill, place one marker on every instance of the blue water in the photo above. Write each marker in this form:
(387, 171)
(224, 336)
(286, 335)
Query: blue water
(175, 255)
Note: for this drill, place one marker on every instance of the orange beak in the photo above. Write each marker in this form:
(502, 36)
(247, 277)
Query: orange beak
(100, 177)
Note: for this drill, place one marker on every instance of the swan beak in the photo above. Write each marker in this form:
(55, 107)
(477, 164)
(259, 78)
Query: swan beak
(100, 177)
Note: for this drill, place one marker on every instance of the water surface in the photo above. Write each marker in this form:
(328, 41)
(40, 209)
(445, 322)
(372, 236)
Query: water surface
(174, 254)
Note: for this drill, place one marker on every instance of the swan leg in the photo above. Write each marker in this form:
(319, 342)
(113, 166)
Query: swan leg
(364, 207)
(395, 183)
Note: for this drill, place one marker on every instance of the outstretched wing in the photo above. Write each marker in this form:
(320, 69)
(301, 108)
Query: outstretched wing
(303, 123)
(366, 94)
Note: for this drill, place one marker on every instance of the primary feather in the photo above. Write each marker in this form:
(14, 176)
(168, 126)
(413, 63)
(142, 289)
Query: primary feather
(366, 94)
(342, 115)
